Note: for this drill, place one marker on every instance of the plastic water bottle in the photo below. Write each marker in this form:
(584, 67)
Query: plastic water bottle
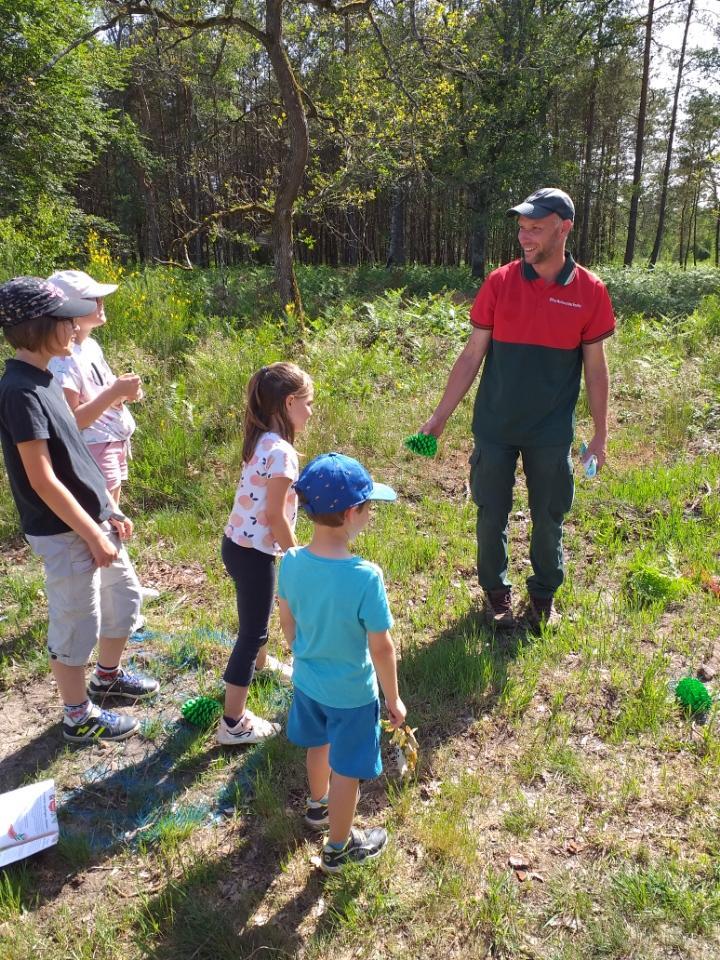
(589, 466)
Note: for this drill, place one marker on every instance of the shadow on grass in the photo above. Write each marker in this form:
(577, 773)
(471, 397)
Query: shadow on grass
(461, 675)
(27, 763)
(25, 648)
(212, 911)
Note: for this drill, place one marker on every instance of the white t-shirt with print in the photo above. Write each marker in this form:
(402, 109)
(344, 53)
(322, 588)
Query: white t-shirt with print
(248, 524)
(87, 373)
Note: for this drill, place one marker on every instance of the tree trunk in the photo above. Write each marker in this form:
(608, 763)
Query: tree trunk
(480, 199)
(671, 136)
(293, 165)
(639, 141)
(396, 250)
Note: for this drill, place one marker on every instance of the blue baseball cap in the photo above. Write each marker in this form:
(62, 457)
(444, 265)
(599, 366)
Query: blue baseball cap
(544, 202)
(333, 482)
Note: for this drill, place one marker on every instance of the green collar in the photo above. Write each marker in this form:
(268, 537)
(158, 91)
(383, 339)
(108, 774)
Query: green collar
(562, 279)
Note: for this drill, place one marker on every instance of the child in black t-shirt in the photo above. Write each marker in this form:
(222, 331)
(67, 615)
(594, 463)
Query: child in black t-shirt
(67, 515)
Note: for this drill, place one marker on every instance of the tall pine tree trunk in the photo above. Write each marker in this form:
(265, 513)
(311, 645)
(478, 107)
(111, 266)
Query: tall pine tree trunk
(639, 140)
(396, 250)
(671, 136)
(294, 163)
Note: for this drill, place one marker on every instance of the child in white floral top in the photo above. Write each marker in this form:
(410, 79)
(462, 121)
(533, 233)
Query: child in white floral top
(260, 528)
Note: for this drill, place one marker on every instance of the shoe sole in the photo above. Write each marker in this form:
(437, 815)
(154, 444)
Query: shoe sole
(244, 741)
(318, 825)
(119, 695)
(336, 869)
(504, 625)
(120, 736)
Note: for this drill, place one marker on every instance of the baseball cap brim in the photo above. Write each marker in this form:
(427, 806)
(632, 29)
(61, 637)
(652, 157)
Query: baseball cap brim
(381, 491)
(535, 211)
(69, 309)
(101, 290)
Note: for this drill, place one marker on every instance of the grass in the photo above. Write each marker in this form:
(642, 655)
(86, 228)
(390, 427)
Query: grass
(565, 748)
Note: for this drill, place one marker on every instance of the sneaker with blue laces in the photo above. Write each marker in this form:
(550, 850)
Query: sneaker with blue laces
(127, 686)
(100, 725)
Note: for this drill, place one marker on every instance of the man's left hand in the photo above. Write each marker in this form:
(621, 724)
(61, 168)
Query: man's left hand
(598, 448)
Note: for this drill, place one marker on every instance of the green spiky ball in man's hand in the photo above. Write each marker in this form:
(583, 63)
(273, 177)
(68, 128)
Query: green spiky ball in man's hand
(424, 444)
(201, 711)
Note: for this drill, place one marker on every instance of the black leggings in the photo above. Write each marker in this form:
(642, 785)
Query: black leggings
(253, 573)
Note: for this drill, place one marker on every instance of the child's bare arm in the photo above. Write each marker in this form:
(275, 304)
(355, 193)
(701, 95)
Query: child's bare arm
(382, 654)
(126, 387)
(277, 490)
(41, 476)
(287, 621)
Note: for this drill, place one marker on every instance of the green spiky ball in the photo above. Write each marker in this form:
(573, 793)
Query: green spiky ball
(201, 711)
(693, 695)
(424, 444)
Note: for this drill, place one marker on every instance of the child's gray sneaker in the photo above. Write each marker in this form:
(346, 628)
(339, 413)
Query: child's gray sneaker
(362, 845)
(127, 686)
(316, 814)
(100, 725)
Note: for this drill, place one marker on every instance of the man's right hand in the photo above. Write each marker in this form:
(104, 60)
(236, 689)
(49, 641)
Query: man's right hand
(435, 425)
(102, 550)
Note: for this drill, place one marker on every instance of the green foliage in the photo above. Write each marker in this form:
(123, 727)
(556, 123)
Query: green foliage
(54, 118)
(647, 584)
(662, 292)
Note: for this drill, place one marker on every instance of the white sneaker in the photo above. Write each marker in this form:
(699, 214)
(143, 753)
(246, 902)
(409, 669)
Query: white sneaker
(149, 593)
(250, 729)
(282, 671)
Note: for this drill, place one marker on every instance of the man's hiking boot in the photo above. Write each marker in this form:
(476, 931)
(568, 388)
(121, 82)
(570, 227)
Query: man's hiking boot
(541, 610)
(498, 609)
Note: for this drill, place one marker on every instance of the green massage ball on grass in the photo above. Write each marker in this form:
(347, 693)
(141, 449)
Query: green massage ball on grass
(693, 695)
(201, 711)
(424, 444)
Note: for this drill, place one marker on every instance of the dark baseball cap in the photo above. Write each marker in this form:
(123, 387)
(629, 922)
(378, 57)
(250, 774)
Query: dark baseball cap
(25, 298)
(333, 482)
(544, 202)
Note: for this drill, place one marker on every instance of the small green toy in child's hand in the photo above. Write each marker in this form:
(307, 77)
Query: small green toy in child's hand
(693, 695)
(424, 444)
(201, 711)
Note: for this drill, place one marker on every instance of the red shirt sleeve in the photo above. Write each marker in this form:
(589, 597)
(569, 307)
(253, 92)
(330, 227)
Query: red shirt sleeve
(602, 322)
(482, 312)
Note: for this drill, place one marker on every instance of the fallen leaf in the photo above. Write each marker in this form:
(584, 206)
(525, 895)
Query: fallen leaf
(711, 583)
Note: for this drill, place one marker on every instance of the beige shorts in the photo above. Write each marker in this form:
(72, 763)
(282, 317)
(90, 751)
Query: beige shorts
(85, 602)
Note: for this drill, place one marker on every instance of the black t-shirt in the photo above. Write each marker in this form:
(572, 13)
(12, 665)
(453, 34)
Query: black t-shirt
(33, 407)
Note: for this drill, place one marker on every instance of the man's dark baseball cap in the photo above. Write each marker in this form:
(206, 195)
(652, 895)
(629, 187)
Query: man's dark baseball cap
(544, 202)
(25, 298)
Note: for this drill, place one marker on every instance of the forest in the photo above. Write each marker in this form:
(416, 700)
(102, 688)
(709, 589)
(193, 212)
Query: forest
(364, 132)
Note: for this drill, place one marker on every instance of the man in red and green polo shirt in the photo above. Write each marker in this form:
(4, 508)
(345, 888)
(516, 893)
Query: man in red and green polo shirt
(536, 323)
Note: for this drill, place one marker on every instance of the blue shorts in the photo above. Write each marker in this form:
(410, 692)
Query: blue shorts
(352, 732)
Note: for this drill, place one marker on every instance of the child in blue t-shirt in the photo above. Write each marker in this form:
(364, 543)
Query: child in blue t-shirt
(335, 615)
